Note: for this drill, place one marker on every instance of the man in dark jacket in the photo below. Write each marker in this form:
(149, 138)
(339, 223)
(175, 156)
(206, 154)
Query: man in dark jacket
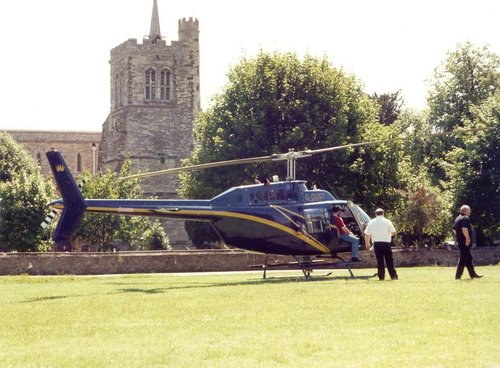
(463, 231)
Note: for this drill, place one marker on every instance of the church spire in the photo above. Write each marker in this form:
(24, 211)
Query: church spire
(154, 32)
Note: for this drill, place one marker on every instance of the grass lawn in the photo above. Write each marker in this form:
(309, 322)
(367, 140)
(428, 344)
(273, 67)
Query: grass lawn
(426, 319)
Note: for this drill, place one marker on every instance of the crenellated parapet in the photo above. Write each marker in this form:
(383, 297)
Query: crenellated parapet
(188, 29)
(188, 23)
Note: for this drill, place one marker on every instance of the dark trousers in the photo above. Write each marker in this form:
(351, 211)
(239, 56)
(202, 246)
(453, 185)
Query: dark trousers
(383, 253)
(465, 260)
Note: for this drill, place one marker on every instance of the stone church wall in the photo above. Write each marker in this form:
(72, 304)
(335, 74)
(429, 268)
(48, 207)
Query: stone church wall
(70, 144)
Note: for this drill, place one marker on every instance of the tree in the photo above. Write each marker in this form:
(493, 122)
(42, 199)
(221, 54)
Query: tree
(474, 170)
(24, 195)
(390, 106)
(467, 77)
(14, 159)
(423, 215)
(155, 238)
(465, 94)
(276, 102)
(414, 125)
(103, 230)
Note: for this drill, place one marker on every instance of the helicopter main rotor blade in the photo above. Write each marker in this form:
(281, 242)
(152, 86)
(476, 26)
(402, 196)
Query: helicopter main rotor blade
(209, 165)
(291, 155)
(452, 132)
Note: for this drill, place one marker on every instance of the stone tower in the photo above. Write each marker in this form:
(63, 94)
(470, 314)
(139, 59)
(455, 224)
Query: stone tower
(155, 96)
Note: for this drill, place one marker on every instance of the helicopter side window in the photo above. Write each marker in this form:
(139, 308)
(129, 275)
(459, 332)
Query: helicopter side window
(317, 220)
(263, 196)
(294, 192)
(277, 196)
(259, 197)
(292, 196)
(253, 198)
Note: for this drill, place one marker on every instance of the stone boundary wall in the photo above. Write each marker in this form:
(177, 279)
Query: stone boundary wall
(204, 261)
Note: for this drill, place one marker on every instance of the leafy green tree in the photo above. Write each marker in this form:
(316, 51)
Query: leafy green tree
(465, 94)
(24, 195)
(105, 229)
(276, 102)
(467, 77)
(422, 216)
(475, 168)
(155, 238)
(14, 159)
(414, 126)
(390, 106)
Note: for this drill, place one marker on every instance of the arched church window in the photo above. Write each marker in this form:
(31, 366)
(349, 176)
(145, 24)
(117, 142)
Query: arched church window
(165, 85)
(150, 85)
(120, 89)
(117, 90)
(78, 162)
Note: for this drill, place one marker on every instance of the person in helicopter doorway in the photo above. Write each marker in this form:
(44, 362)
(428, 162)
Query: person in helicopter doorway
(346, 234)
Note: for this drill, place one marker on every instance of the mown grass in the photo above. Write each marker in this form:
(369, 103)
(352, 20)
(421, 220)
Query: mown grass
(426, 319)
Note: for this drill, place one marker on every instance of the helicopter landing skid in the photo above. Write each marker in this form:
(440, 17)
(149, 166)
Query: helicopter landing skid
(306, 264)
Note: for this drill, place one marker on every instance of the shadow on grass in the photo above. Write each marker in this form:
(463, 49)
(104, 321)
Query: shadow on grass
(45, 298)
(261, 281)
(270, 280)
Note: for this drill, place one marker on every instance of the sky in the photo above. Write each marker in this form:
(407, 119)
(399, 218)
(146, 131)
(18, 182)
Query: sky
(54, 65)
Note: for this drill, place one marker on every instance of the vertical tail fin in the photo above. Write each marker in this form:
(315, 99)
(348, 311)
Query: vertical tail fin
(74, 203)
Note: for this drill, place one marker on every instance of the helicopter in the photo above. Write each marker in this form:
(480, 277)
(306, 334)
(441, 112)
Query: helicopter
(278, 217)
(274, 217)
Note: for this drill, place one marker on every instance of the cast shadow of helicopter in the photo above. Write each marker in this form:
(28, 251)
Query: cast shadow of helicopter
(251, 282)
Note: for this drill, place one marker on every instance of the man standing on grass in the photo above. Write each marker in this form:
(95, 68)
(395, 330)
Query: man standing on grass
(463, 232)
(380, 230)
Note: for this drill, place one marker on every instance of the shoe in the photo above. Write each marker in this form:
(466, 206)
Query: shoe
(458, 278)
(355, 259)
(394, 278)
(476, 276)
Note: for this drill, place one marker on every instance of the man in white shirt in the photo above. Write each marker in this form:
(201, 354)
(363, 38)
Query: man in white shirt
(380, 230)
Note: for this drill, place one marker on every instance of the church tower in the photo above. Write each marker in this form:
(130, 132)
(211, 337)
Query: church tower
(155, 96)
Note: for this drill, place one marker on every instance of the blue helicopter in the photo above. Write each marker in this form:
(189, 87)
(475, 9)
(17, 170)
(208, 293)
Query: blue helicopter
(278, 217)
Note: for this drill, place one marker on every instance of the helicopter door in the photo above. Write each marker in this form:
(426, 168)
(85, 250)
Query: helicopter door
(361, 219)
